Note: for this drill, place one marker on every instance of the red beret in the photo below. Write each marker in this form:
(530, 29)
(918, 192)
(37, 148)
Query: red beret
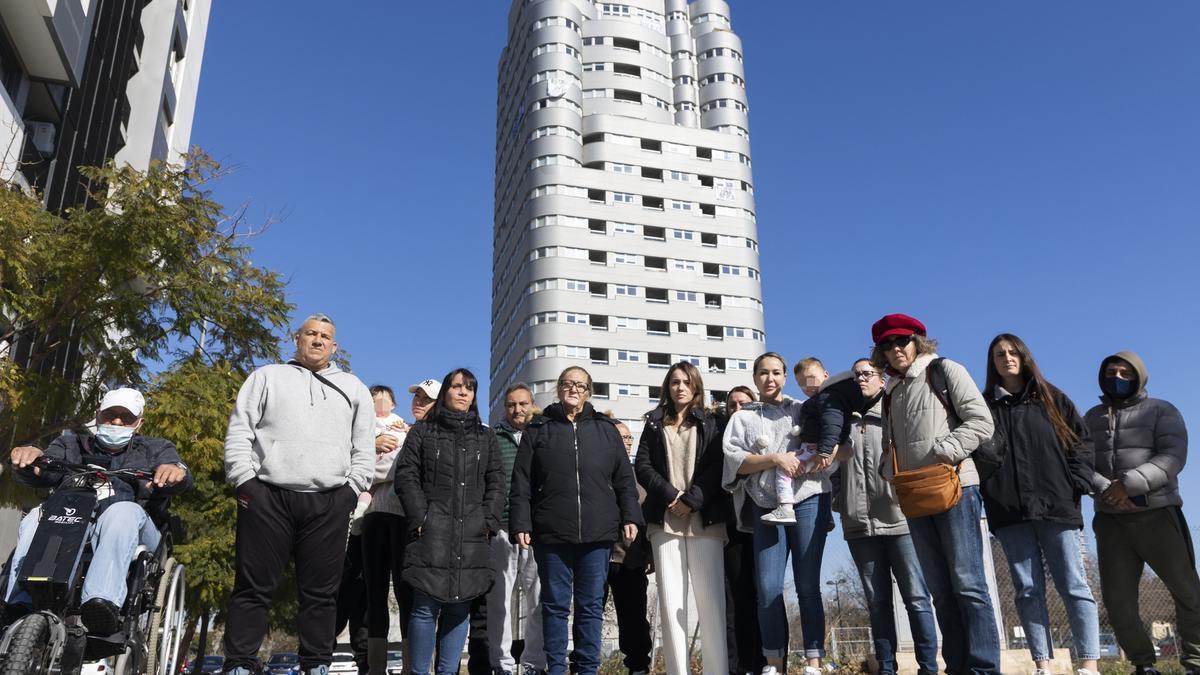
(896, 324)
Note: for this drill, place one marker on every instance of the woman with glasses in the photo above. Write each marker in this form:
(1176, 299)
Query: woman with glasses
(1032, 499)
(573, 495)
(679, 464)
(877, 533)
(934, 415)
(761, 439)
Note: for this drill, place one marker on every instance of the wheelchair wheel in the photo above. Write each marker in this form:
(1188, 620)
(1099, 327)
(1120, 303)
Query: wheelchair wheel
(168, 622)
(29, 648)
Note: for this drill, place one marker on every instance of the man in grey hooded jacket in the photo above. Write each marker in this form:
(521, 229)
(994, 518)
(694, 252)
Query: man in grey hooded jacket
(299, 449)
(1141, 446)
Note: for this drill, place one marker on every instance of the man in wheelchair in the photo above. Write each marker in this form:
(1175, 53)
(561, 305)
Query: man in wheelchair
(126, 512)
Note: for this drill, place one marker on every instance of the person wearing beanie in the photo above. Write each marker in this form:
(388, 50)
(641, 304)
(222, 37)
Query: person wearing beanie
(933, 414)
(1141, 446)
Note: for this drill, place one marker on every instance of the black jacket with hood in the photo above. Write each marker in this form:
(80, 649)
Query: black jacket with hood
(1140, 440)
(451, 481)
(826, 418)
(652, 467)
(572, 482)
(1037, 478)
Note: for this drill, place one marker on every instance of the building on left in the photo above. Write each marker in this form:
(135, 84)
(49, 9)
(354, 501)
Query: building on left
(83, 82)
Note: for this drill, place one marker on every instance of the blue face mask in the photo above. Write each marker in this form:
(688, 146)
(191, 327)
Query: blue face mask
(113, 436)
(1118, 388)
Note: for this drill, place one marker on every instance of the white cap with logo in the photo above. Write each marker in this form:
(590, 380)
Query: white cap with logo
(129, 399)
(431, 387)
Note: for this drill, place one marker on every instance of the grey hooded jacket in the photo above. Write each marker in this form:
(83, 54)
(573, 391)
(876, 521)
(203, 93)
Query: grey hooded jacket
(1140, 440)
(865, 500)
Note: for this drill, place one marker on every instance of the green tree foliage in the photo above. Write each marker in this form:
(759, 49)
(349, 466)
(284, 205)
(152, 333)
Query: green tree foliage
(157, 271)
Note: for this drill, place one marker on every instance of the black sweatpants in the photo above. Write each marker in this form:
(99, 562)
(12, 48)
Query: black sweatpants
(273, 525)
(741, 604)
(628, 588)
(352, 602)
(384, 538)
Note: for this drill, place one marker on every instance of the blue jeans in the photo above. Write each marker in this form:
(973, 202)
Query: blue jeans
(569, 571)
(950, 548)
(805, 543)
(878, 559)
(1026, 545)
(119, 530)
(425, 631)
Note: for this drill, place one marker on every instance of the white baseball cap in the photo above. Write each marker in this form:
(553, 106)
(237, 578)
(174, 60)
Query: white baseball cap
(129, 399)
(431, 387)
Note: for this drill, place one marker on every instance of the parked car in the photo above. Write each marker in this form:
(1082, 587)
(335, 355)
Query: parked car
(282, 663)
(343, 662)
(212, 664)
(1108, 646)
(101, 667)
(394, 664)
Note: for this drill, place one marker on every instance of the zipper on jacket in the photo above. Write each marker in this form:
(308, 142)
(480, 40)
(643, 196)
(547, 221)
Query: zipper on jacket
(578, 482)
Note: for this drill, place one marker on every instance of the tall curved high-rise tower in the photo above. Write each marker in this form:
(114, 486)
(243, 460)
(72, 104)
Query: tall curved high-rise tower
(625, 236)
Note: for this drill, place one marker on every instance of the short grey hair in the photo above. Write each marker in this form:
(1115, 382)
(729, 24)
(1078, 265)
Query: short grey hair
(322, 318)
(520, 386)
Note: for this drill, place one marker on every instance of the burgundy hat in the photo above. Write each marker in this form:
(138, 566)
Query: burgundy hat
(896, 324)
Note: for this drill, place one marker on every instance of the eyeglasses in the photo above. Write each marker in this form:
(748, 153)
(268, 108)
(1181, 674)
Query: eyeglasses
(570, 385)
(900, 341)
(126, 418)
(864, 374)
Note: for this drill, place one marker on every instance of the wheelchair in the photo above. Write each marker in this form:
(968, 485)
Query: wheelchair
(50, 640)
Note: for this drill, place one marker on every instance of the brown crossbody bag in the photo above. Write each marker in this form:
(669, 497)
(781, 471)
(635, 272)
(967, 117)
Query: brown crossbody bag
(932, 489)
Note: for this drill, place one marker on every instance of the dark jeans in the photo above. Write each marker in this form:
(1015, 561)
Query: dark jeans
(741, 604)
(436, 624)
(950, 548)
(572, 572)
(877, 560)
(273, 525)
(352, 602)
(628, 587)
(1125, 544)
(384, 538)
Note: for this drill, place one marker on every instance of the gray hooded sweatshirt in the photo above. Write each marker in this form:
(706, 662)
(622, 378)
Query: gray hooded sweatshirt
(1141, 440)
(291, 430)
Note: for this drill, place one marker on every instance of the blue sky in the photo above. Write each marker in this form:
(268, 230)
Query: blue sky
(1024, 167)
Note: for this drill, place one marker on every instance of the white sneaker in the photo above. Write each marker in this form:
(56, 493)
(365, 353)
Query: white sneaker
(809, 670)
(769, 670)
(1042, 671)
(784, 514)
(1085, 671)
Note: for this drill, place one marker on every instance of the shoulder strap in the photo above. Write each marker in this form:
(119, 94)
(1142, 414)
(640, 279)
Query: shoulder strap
(325, 381)
(935, 375)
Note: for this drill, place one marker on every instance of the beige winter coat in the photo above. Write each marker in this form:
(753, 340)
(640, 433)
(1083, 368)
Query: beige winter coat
(918, 424)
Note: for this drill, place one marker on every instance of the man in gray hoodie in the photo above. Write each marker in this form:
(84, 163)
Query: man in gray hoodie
(299, 449)
(1141, 446)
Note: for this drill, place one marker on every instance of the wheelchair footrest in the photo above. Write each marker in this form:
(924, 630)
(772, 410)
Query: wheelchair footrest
(102, 647)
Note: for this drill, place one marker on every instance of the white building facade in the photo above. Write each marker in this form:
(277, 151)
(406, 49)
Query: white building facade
(625, 237)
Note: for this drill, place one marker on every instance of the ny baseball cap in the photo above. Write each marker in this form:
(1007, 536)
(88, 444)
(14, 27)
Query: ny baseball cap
(431, 387)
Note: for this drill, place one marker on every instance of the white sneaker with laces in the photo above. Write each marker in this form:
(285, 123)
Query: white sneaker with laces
(769, 670)
(784, 514)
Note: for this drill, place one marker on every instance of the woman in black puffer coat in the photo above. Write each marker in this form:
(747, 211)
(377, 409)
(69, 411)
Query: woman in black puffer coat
(573, 495)
(451, 481)
(1032, 497)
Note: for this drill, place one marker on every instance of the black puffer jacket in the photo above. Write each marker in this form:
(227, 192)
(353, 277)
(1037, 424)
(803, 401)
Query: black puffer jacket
(451, 481)
(572, 483)
(1037, 478)
(654, 474)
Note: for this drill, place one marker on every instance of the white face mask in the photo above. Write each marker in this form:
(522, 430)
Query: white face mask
(113, 436)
